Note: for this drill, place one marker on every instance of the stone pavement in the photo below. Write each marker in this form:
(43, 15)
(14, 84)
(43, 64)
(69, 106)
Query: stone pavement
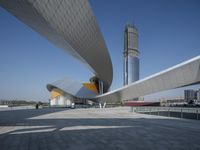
(95, 129)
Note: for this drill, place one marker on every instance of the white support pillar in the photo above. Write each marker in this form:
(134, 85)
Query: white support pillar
(104, 105)
(100, 106)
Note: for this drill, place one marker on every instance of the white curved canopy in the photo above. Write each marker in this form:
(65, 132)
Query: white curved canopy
(184, 74)
(72, 87)
(71, 25)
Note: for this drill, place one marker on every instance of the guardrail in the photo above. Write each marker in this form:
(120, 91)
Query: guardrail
(16, 108)
(179, 112)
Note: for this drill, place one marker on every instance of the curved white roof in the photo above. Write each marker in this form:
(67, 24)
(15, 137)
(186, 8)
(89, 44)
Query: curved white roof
(72, 88)
(71, 25)
(183, 74)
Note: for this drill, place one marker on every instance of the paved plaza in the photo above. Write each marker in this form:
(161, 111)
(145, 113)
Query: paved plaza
(94, 129)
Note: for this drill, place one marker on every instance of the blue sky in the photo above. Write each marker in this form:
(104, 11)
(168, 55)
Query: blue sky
(169, 33)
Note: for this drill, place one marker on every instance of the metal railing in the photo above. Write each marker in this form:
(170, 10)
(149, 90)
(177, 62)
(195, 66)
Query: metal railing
(180, 112)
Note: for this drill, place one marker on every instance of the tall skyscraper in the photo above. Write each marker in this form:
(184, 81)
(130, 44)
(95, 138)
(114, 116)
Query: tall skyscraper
(131, 54)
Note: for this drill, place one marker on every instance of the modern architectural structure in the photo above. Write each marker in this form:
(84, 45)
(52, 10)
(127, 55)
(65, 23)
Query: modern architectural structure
(66, 91)
(131, 54)
(71, 25)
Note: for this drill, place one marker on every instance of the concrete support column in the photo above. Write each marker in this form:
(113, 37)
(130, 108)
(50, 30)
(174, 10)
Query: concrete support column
(104, 105)
(100, 105)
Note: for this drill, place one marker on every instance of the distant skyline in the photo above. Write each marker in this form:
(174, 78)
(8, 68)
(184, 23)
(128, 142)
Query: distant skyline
(169, 33)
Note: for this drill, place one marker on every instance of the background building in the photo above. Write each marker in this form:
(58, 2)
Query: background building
(190, 95)
(198, 95)
(131, 54)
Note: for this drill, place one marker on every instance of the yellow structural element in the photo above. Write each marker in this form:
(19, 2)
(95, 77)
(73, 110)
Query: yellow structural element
(55, 93)
(91, 86)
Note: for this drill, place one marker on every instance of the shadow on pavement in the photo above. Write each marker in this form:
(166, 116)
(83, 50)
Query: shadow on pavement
(12, 117)
(98, 133)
